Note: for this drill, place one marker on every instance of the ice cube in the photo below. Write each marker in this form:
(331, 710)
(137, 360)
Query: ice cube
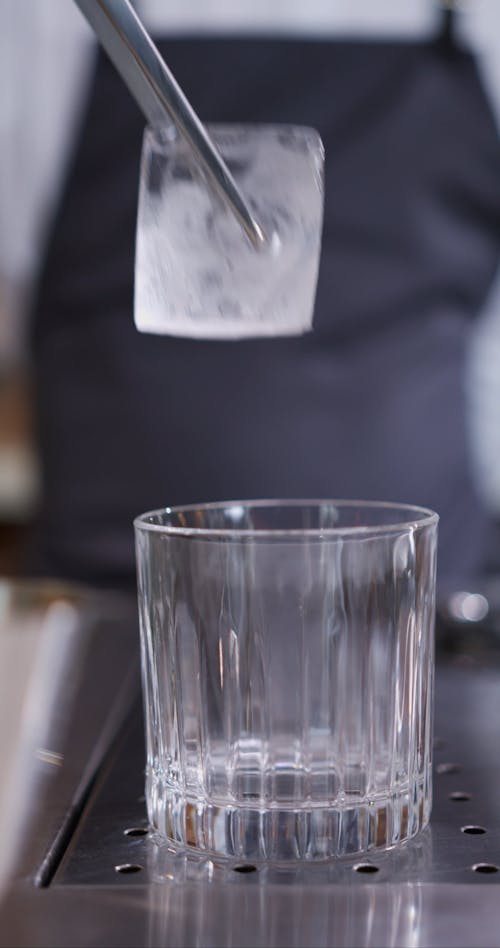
(197, 274)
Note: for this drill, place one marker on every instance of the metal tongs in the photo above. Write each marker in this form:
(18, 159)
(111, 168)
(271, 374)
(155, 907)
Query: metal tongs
(161, 99)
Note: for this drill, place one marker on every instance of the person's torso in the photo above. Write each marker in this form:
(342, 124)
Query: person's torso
(368, 405)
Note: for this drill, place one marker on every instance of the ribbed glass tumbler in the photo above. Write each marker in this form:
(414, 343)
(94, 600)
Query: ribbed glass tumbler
(287, 655)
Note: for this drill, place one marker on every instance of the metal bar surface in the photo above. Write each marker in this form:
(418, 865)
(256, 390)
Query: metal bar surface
(114, 886)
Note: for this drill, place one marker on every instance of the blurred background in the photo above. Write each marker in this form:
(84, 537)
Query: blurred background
(46, 53)
(46, 59)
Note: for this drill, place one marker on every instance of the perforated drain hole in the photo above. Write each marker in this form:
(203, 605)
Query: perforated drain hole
(136, 831)
(486, 867)
(473, 830)
(448, 768)
(365, 867)
(245, 869)
(127, 868)
(460, 795)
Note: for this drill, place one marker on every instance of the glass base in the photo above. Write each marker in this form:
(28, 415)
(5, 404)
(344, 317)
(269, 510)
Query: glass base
(284, 834)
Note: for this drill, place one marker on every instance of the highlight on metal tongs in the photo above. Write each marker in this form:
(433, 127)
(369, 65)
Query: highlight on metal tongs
(161, 99)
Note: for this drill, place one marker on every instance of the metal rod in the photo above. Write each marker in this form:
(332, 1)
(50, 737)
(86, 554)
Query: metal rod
(160, 97)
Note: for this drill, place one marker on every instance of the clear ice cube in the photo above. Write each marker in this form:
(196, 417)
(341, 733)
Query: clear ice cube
(197, 274)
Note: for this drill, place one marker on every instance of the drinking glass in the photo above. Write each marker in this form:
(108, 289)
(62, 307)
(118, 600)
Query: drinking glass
(287, 656)
(196, 274)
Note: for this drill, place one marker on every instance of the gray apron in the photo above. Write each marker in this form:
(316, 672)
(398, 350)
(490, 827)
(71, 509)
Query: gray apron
(371, 403)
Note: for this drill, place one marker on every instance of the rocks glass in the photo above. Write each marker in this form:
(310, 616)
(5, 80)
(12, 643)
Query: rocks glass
(287, 654)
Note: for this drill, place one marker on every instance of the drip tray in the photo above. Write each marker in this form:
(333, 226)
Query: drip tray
(461, 845)
(92, 874)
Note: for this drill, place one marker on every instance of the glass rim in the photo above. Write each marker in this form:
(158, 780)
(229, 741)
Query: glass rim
(422, 517)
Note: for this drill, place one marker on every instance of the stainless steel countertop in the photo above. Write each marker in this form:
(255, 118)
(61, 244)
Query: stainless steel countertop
(67, 889)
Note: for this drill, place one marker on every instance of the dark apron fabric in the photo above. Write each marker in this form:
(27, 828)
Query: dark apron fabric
(371, 404)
